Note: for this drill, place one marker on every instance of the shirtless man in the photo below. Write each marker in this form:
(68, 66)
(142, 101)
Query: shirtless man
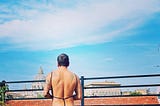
(64, 85)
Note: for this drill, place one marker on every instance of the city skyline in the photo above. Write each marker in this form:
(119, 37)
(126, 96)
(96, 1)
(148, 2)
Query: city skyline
(102, 38)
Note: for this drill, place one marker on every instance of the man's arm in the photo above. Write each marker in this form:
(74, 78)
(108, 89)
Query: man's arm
(47, 87)
(78, 90)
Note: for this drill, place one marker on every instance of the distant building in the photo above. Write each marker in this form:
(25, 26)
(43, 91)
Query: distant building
(142, 91)
(38, 85)
(158, 90)
(102, 91)
(35, 85)
(39, 76)
(126, 92)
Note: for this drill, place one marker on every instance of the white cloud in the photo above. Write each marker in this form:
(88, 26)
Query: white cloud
(108, 59)
(90, 23)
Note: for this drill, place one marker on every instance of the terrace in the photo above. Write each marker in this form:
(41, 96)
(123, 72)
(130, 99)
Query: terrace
(145, 99)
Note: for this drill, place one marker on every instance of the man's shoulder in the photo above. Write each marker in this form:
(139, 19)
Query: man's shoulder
(71, 72)
(50, 73)
(74, 74)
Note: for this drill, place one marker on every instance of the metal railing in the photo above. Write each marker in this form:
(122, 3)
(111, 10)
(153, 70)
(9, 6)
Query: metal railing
(124, 86)
(24, 90)
(83, 79)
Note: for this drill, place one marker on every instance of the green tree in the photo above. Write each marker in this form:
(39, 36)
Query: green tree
(135, 93)
(3, 89)
(40, 96)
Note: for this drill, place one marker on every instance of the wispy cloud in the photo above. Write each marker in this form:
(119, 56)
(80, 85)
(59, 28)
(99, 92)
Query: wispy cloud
(45, 26)
(141, 44)
(108, 59)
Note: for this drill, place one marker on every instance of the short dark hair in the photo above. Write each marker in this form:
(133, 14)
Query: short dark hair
(63, 60)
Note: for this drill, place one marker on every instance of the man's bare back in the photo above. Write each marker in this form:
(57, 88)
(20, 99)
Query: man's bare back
(63, 84)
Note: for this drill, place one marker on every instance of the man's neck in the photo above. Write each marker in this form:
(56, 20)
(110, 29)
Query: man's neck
(62, 67)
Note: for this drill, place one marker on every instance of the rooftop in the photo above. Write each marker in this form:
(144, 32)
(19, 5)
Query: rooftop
(92, 101)
(105, 83)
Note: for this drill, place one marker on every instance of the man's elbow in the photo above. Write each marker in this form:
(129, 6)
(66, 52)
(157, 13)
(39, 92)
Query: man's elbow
(45, 94)
(79, 97)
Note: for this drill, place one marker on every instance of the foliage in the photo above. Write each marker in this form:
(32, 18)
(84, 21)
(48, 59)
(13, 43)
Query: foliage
(40, 96)
(135, 93)
(3, 89)
(3, 104)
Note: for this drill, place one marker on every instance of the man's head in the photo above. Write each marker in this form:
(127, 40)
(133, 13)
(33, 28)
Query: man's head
(63, 60)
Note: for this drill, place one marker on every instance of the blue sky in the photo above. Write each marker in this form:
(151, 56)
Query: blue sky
(102, 37)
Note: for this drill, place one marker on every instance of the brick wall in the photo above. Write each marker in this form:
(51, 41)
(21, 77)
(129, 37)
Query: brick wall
(91, 102)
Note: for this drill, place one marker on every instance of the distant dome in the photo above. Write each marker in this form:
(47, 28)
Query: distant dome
(40, 71)
(40, 75)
